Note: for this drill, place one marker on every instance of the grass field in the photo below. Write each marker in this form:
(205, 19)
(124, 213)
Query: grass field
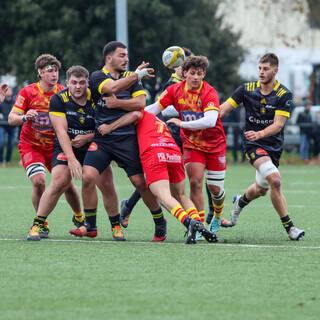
(254, 272)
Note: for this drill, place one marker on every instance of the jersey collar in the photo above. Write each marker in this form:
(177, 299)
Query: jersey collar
(275, 87)
(173, 75)
(198, 91)
(55, 90)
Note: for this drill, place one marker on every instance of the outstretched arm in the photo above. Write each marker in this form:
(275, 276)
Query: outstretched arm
(112, 87)
(123, 121)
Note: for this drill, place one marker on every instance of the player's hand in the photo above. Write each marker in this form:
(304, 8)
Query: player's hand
(3, 91)
(79, 140)
(31, 114)
(252, 135)
(104, 129)
(75, 168)
(175, 121)
(144, 72)
(111, 101)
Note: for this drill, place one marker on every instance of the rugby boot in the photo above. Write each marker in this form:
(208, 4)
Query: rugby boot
(160, 233)
(295, 233)
(118, 234)
(124, 213)
(33, 234)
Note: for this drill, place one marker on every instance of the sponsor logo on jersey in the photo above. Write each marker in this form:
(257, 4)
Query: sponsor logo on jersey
(20, 101)
(191, 115)
(261, 151)
(62, 157)
(171, 158)
(93, 147)
(80, 110)
(259, 121)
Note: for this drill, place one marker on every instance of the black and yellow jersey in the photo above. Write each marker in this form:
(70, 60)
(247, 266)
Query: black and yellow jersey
(172, 80)
(80, 119)
(261, 110)
(105, 115)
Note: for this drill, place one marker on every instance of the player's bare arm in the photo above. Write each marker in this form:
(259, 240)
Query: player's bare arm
(136, 103)
(225, 108)
(60, 126)
(3, 90)
(278, 124)
(116, 86)
(125, 120)
(17, 118)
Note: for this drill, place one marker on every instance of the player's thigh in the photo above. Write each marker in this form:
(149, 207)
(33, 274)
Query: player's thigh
(216, 161)
(195, 163)
(154, 165)
(60, 177)
(125, 151)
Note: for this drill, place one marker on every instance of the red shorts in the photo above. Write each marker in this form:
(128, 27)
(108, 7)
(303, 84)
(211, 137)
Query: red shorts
(33, 154)
(163, 164)
(212, 161)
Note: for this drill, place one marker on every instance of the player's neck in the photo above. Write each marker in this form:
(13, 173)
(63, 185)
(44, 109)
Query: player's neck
(266, 88)
(114, 73)
(46, 87)
(82, 101)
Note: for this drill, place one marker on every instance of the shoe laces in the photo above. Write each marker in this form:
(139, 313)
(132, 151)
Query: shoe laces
(117, 232)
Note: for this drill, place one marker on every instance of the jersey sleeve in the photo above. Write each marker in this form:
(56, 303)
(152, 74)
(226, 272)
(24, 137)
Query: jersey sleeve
(167, 97)
(137, 89)
(22, 101)
(57, 107)
(285, 105)
(237, 97)
(97, 81)
(211, 102)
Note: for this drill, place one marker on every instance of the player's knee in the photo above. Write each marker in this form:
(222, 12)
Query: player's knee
(215, 182)
(261, 191)
(39, 182)
(195, 185)
(275, 183)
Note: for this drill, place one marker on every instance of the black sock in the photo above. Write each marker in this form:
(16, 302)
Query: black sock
(211, 206)
(39, 221)
(115, 220)
(132, 201)
(243, 201)
(287, 223)
(90, 218)
(157, 216)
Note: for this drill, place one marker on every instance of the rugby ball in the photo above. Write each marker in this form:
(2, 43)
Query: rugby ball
(173, 57)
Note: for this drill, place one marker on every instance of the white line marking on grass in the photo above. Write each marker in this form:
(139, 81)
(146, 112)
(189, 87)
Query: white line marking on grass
(262, 246)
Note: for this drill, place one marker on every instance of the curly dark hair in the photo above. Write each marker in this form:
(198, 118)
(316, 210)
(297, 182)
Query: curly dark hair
(195, 62)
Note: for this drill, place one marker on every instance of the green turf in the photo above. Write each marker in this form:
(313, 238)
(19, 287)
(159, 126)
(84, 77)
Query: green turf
(254, 272)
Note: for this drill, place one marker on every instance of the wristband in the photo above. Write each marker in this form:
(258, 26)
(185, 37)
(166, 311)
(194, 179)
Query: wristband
(24, 118)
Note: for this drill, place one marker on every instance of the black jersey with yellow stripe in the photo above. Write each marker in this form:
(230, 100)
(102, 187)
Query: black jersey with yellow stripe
(105, 115)
(261, 110)
(80, 119)
(172, 80)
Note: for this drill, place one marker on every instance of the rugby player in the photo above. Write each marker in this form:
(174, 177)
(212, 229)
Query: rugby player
(127, 205)
(162, 164)
(268, 105)
(72, 115)
(204, 141)
(116, 91)
(31, 109)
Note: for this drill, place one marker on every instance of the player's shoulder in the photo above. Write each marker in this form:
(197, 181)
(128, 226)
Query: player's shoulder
(29, 89)
(100, 74)
(62, 95)
(282, 91)
(60, 87)
(208, 88)
(250, 86)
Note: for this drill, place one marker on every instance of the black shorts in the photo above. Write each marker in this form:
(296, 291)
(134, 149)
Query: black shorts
(58, 156)
(255, 152)
(123, 149)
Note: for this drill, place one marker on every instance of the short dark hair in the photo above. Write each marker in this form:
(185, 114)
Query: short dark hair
(270, 58)
(111, 46)
(187, 52)
(195, 62)
(46, 60)
(77, 71)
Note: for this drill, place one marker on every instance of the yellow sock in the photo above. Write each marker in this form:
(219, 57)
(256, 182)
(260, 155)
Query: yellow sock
(193, 213)
(78, 216)
(218, 210)
(179, 213)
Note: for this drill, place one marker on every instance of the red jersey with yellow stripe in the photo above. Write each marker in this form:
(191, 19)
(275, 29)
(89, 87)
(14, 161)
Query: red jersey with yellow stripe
(39, 130)
(191, 106)
(153, 133)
